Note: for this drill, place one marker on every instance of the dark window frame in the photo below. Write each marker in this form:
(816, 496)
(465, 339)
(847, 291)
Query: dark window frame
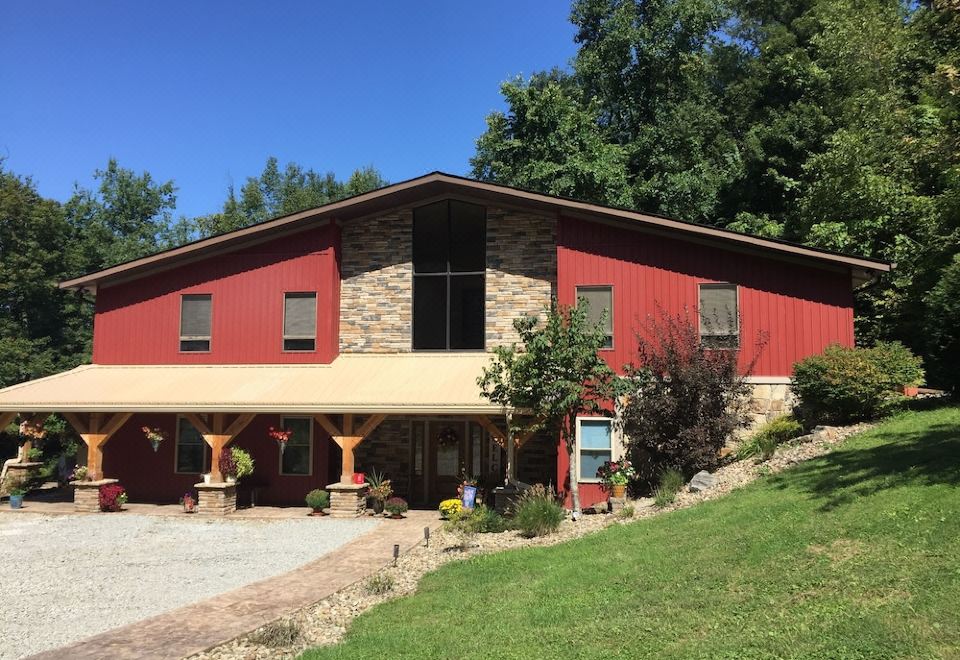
(295, 338)
(600, 287)
(717, 341)
(448, 276)
(205, 461)
(186, 339)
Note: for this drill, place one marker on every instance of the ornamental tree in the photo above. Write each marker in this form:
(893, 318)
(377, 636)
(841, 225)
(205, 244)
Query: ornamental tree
(554, 374)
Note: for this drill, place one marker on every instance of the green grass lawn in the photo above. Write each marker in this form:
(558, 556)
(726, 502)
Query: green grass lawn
(853, 555)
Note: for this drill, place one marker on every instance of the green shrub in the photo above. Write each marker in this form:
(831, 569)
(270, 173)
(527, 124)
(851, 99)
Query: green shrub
(626, 512)
(536, 512)
(766, 439)
(380, 584)
(670, 483)
(485, 520)
(318, 499)
(901, 367)
(839, 386)
(943, 327)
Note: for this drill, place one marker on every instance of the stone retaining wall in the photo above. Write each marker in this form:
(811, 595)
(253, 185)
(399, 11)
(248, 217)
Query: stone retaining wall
(769, 401)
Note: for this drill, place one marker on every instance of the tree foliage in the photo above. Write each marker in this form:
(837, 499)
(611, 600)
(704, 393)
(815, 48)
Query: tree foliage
(555, 374)
(830, 122)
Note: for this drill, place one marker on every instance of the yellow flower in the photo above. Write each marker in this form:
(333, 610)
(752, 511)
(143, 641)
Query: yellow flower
(450, 507)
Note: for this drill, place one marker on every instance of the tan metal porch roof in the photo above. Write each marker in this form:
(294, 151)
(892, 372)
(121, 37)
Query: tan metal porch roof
(391, 383)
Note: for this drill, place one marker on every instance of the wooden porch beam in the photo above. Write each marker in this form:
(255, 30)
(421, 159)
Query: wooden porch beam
(498, 436)
(328, 426)
(240, 423)
(370, 425)
(6, 418)
(198, 424)
(347, 439)
(95, 433)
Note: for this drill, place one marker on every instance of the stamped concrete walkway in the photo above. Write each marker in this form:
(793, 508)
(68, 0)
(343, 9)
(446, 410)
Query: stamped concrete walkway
(194, 628)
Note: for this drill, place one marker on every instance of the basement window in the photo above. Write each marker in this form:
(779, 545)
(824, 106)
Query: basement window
(195, 314)
(719, 316)
(299, 321)
(449, 270)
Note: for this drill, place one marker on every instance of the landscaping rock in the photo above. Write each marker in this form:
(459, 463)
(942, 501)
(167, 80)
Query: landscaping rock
(702, 481)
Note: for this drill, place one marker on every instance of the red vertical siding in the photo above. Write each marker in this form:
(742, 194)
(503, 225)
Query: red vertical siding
(151, 477)
(137, 322)
(801, 309)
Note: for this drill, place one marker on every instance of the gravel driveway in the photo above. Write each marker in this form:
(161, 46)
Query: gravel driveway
(63, 578)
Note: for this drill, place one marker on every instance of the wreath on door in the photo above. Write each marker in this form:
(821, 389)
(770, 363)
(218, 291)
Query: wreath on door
(447, 437)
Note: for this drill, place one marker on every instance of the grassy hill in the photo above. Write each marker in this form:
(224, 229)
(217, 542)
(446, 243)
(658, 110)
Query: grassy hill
(852, 555)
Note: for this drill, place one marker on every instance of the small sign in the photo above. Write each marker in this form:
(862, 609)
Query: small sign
(469, 498)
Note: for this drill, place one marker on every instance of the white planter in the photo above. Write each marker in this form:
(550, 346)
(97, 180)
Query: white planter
(231, 480)
(206, 478)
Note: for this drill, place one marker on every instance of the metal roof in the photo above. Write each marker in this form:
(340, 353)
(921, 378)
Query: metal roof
(414, 383)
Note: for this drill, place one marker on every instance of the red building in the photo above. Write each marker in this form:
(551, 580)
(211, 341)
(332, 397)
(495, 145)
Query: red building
(362, 325)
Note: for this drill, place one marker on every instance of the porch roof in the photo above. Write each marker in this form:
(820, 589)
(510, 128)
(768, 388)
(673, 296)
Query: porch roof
(414, 383)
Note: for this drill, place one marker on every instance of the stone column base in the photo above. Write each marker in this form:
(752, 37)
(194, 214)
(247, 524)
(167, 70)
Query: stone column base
(19, 474)
(617, 504)
(86, 494)
(503, 498)
(217, 499)
(347, 500)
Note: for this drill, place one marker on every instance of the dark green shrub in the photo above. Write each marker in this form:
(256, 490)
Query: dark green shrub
(318, 499)
(943, 327)
(839, 386)
(671, 482)
(536, 512)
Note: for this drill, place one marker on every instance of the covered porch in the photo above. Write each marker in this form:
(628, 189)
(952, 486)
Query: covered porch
(418, 419)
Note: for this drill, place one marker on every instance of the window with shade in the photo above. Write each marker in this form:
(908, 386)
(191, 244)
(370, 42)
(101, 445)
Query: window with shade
(296, 458)
(594, 446)
(719, 316)
(299, 321)
(195, 322)
(599, 299)
(449, 267)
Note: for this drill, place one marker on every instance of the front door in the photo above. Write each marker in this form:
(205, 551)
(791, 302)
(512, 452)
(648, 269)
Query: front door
(447, 442)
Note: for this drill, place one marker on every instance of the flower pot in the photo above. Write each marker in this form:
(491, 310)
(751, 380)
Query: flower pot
(318, 512)
(618, 490)
(377, 506)
(359, 478)
(231, 479)
(395, 516)
(207, 477)
(911, 390)
(16, 501)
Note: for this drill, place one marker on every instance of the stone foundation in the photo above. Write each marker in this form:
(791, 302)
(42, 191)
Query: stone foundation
(617, 504)
(347, 500)
(769, 401)
(218, 499)
(86, 494)
(19, 474)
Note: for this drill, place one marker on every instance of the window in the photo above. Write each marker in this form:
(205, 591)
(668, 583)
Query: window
(449, 265)
(719, 316)
(191, 455)
(297, 457)
(594, 446)
(195, 322)
(598, 299)
(299, 321)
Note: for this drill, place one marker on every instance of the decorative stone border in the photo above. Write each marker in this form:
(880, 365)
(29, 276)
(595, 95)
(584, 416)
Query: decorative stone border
(217, 499)
(348, 500)
(86, 494)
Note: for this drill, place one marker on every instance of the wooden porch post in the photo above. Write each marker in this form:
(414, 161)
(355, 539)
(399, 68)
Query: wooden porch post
(348, 439)
(218, 435)
(95, 430)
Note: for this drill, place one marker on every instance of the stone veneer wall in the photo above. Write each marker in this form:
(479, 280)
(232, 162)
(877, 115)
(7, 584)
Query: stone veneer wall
(769, 401)
(387, 450)
(376, 295)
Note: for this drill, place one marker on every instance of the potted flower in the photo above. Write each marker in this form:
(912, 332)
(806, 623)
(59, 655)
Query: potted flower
(155, 435)
(450, 508)
(189, 503)
(228, 466)
(282, 436)
(318, 500)
(379, 491)
(80, 473)
(112, 497)
(616, 475)
(244, 462)
(16, 497)
(396, 507)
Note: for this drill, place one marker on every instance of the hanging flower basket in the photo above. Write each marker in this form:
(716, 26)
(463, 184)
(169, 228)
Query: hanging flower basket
(32, 431)
(155, 435)
(447, 437)
(282, 436)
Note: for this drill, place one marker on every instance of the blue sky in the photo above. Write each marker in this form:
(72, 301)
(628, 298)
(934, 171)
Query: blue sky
(203, 92)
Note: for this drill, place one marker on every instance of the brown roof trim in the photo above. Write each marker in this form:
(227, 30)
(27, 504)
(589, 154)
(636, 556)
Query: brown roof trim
(437, 183)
